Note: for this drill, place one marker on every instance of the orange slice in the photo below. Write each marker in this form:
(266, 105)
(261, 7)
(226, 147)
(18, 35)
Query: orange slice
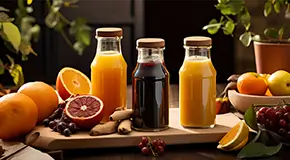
(236, 138)
(71, 82)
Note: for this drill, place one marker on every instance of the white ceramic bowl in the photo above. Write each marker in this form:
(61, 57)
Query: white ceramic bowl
(242, 101)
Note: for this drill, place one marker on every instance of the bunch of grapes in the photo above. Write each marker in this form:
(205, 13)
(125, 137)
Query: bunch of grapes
(276, 119)
(59, 122)
(149, 147)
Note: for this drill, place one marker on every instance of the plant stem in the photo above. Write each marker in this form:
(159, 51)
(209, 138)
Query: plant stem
(66, 38)
(65, 20)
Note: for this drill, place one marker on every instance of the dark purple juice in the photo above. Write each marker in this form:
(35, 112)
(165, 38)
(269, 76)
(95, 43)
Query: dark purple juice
(150, 97)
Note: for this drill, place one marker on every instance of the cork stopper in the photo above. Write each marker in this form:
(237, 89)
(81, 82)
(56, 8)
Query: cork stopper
(109, 32)
(150, 43)
(197, 41)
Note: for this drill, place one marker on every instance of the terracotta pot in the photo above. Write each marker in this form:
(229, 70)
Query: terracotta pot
(271, 57)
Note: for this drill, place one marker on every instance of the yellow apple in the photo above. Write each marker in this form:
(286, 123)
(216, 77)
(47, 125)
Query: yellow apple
(279, 83)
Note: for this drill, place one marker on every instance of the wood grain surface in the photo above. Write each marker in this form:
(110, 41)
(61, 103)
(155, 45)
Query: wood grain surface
(176, 134)
(200, 151)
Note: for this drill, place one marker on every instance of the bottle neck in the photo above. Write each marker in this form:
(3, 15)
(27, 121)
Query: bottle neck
(197, 51)
(109, 44)
(150, 55)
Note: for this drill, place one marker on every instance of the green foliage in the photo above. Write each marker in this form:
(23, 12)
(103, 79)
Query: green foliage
(237, 8)
(257, 147)
(19, 33)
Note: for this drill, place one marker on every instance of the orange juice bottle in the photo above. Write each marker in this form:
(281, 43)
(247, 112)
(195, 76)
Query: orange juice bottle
(197, 84)
(109, 71)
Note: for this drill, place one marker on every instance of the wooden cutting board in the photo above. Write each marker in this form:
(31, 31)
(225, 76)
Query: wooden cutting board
(176, 134)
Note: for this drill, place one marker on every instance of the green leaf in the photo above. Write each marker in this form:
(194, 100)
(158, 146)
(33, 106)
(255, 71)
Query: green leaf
(233, 7)
(24, 58)
(212, 27)
(5, 18)
(84, 37)
(17, 75)
(2, 9)
(51, 19)
(34, 32)
(79, 47)
(267, 8)
(256, 38)
(12, 33)
(29, 9)
(250, 118)
(25, 48)
(56, 5)
(76, 25)
(223, 1)
(277, 7)
(11, 60)
(229, 28)
(245, 18)
(69, 3)
(2, 69)
(281, 32)
(253, 150)
(271, 33)
(246, 38)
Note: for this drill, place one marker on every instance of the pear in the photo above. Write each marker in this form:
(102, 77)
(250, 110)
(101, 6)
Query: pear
(279, 83)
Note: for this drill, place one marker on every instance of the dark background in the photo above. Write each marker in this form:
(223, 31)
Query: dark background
(171, 20)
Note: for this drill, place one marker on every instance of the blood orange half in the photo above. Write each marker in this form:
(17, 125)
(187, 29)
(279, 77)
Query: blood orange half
(71, 82)
(85, 111)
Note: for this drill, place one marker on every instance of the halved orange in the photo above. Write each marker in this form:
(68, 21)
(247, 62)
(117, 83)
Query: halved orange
(71, 82)
(236, 138)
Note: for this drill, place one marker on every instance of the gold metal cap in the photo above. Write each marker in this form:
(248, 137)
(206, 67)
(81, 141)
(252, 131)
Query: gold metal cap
(150, 43)
(109, 32)
(197, 41)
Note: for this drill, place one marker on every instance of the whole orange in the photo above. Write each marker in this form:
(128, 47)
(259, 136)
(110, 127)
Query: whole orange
(252, 83)
(44, 96)
(18, 115)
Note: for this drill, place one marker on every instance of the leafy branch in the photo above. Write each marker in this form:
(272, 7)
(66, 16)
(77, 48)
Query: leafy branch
(237, 9)
(18, 36)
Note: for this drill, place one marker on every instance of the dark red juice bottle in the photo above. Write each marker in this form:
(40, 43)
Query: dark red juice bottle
(150, 87)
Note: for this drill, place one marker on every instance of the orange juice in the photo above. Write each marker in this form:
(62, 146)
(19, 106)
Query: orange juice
(109, 80)
(197, 85)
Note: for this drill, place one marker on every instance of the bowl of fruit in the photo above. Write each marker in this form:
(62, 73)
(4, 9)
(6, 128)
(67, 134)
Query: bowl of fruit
(253, 88)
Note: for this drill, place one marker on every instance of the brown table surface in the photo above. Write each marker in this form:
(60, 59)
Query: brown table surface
(175, 152)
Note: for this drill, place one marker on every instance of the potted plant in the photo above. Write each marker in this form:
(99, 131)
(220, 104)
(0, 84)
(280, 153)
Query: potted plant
(271, 45)
(19, 33)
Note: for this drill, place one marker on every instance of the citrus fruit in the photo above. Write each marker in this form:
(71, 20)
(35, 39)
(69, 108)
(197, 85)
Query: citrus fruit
(252, 83)
(236, 148)
(85, 111)
(235, 138)
(268, 93)
(71, 81)
(43, 95)
(18, 115)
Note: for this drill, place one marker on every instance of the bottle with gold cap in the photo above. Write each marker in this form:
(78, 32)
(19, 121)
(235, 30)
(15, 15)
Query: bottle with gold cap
(197, 84)
(109, 71)
(150, 88)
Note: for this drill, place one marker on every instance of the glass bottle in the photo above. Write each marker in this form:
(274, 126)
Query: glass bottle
(150, 87)
(197, 84)
(109, 71)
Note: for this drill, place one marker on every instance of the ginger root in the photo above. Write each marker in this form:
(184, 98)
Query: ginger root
(105, 128)
(125, 126)
(121, 115)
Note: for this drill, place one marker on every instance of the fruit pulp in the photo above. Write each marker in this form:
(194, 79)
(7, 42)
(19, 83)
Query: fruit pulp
(197, 92)
(150, 97)
(109, 81)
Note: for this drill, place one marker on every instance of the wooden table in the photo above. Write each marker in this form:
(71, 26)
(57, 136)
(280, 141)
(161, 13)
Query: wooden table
(176, 152)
